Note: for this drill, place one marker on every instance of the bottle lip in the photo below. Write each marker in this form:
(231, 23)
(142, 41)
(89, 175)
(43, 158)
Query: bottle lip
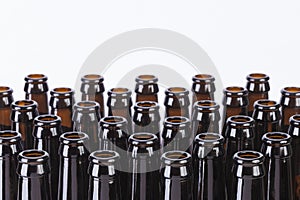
(143, 139)
(258, 77)
(104, 157)
(176, 91)
(62, 92)
(248, 157)
(86, 106)
(146, 106)
(235, 91)
(92, 78)
(119, 91)
(5, 90)
(24, 105)
(203, 78)
(47, 120)
(146, 79)
(295, 120)
(180, 121)
(240, 121)
(9, 136)
(291, 91)
(176, 158)
(36, 78)
(33, 157)
(116, 121)
(266, 105)
(210, 139)
(73, 138)
(206, 105)
(279, 138)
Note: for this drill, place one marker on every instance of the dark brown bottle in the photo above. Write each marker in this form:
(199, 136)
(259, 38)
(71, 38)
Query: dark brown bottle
(61, 104)
(10, 147)
(6, 99)
(208, 167)
(73, 177)
(258, 87)
(36, 88)
(203, 87)
(22, 116)
(146, 88)
(177, 102)
(277, 151)
(267, 118)
(33, 175)
(143, 155)
(206, 117)
(235, 102)
(92, 89)
(176, 176)
(290, 105)
(46, 133)
(104, 179)
(248, 176)
(86, 119)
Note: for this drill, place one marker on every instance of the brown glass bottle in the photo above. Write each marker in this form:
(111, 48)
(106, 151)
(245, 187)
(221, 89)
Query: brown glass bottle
(177, 102)
(146, 88)
(248, 176)
(46, 133)
(104, 179)
(235, 102)
(61, 104)
(10, 147)
(73, 177)
(22, 116)
(86, 119)
(33, 175)
(208, 167)
(36, 88)
(143, 180)
(176, 175)
(6, 99)
(206, 117)
(258, 87)
(277, 151)
(290, 105)
(92, 89)
(267, 118)
(203, 87)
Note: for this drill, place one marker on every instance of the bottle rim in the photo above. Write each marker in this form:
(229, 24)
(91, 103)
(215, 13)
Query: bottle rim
(235, 91)
(146, 106)
(33, 157)
(180, 121)
(276, 138)
(266, 105)
(210, 139)
(5, 90)
(10, 136)
(36, 78)
(203, 78)
(240, 121)
(113, 121)
(206, 105)
(295, 120)
(290, 91)
(73, 137)
(119, 91)
(248, 157)
(176, 91)
(47, 120)
(62, 92)
(258, 77)
(86, 106)
(104, 157)
(176, 158)
(24, 105)
(92, 78)
(146, 79)
(143, 138)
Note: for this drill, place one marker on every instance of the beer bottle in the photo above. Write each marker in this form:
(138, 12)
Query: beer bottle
(33, 175)
(277, 151)
(36, 88)
(176, 175)
(22, 116)
(146, 88)
(6, 99)
(61, 104)
(203, 87)
(86, 119)
(10, 147)
(177, 102)
(290, 105)
(267, 118)
(73, 177)
(208, 167)
(258, 87)
(92, 89)
(104, 179)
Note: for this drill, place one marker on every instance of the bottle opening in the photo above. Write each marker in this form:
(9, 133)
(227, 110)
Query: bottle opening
(177, 120)
(177, 89)
(276, 136)
(92, 77)
(114, 119)
(8, 134)
(258, 76)
(241, 119)
(4, 89)
(292, 89)
(143, 136)
(146, 77)
(175, 155)
(62, 90)
(33, 154)
(267, 102)
(36, 76)
(235, 89)
(87, 104)
(206, 103)
(74, 135)
(25, 103)
(248, 157)
(209, 137)
(203, 76)
(119, 90)
(147, 104)
(47, 118)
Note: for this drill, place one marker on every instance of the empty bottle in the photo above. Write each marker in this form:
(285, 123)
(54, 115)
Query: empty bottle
(146, 88)
(177, 102)
(203, 87)
(6, 99)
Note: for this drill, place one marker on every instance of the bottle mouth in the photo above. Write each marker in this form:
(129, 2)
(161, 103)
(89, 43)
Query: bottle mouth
(33, 157)
(62, 91)
(146, 106)
(89, 106)
(143, 139)
(36, 78)
(176, 158)
(177, 121)
(104, 157)
(9, 136)
(74, 138)
(295, 120)
(119, 92)
(291, 91)
(266, 105)
(235, 91)
(115, 121)
(146, 78)
(206, 105)
(209, 139)
(203, 78)
(92, 78)
(248, 157)
(258, 77)
(177, 91)
(240, 121)
(276, 138)
(24, 105)
(4, 90)
(47, 120)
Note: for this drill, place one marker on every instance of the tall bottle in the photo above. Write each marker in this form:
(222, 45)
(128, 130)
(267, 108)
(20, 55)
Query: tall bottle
(146, 88)
(258, 87)
(10, 147)
(86, 119)
(73, 177)
(33, 175)
(176, 175)
(36, 88)
(248, 176)
(61, 104)
(277, 151)
(104, 179)
(6, 99)
(177, 102)
(208, 167)
(22, 116)
(46, 133)
(92, 89)
(203, 87)
(290, 105)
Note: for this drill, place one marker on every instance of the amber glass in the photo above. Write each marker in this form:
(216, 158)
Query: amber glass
(10, 147)
(277, 151)
(290, 105)
(104, 178)
(146, 88)
(61, 104)
(208, 167)
(36, 88)
(46, 133)
(86, 119)
(22, 116)
(176, 176)
(258, 87)
(248, 176)
(33, 175)
(92, 89)
(177, 102)
(267, 118)
(6, 99)
(203, 87)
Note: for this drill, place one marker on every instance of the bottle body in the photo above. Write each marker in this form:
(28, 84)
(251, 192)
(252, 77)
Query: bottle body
(177, 102)
(146, 88)
(6, 99)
